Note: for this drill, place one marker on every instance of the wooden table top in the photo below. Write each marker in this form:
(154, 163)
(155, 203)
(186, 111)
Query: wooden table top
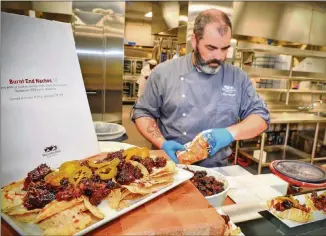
(182, 210)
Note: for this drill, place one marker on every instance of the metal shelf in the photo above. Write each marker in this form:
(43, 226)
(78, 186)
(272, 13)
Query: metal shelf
(275, 77)
(307, 91)
(129, 99)
(251, 47)
(270, 90)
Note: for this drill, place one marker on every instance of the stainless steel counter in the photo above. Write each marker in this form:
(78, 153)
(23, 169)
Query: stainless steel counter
(295, 117)
(285, 118)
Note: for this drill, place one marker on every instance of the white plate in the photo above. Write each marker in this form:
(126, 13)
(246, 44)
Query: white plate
(110, 214)
(113, 146)
(318, 215)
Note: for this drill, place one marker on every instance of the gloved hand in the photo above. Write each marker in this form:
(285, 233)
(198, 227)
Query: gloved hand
(171, 147)
(217, 139)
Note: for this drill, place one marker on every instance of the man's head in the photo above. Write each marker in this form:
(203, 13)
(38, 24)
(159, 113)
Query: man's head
(211, 40)
(152, 63)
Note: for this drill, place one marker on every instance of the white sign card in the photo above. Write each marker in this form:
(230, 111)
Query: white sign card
(45, 116)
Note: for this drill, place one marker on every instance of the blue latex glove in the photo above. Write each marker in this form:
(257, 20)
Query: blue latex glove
(171, 147)
(217, 139)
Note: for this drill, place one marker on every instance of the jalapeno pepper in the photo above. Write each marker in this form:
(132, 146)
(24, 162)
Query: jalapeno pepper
(113, 162)
(54, 178)
(107, 172)
(79, 174)
(69, 167)
(143, 153)
(128, 153)
(97, 165)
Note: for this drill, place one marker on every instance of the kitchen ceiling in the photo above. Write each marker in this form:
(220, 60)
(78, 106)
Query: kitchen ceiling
(136, 11)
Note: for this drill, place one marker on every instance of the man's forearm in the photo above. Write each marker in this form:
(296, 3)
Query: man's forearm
(148, 128)
(250, 127)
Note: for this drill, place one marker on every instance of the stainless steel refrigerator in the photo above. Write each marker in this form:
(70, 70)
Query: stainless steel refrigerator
(99, 36)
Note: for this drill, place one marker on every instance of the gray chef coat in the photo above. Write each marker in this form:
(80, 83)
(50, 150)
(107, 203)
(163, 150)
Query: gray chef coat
(186, 102)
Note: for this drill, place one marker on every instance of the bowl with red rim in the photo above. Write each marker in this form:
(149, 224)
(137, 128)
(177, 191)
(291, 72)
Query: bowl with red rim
(216, 200)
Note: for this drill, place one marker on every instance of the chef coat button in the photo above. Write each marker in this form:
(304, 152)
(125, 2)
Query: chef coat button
(184, 114)
(182, 78)
(183, 96)
(184, 133)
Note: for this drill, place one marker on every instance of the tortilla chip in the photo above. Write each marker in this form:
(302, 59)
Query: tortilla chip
(21, 210)
(55, 207)
(67, 230)
(73, 217)
(309, 202)
(125, 193)
(132, 196)
(25, 218)
(295, 214)
(142, 168)
(114, 198)
(169, 168)
(138, 188)
(123, 204)
(158, 180)
(159, 186)
(93, 209)
(14, 186)
(10, 199)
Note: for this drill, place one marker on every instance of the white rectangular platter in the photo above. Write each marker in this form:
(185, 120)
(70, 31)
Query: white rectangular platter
(110, 214)
(318, 215)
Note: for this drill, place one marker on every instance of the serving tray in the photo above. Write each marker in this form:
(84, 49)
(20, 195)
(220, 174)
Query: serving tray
(110, 214)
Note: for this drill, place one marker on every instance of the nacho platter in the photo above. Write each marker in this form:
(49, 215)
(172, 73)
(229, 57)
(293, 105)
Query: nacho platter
(315, 215)
(56, 216)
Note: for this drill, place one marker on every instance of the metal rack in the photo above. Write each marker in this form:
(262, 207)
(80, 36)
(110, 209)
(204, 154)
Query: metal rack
(130, 90)
(132, 70)
(283, 118)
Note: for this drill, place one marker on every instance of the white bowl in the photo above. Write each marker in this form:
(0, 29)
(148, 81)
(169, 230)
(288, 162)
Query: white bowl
(216, 200)
(106, 131)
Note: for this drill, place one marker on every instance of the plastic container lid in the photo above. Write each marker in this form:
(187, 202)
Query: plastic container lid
(300, 171)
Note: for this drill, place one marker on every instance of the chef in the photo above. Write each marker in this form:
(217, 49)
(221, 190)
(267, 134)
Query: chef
(200, 92)
(144, 74)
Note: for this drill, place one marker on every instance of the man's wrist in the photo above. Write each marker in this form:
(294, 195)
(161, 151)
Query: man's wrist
(159, 143)
(233, 131)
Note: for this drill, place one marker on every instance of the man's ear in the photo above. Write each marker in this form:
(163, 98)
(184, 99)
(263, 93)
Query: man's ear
(193, 41)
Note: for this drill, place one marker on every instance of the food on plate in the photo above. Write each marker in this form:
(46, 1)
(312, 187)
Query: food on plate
(290, 208)
(207, 185)
(229, 230)
(316, 202)
(65, 200)
(196, 150)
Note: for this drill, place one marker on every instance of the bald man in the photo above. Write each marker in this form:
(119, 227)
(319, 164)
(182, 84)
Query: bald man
(201, 92)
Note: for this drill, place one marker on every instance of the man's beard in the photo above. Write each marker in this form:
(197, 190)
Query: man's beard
(204, 65)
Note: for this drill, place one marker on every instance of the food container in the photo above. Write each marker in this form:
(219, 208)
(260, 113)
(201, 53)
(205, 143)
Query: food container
(216, 200)
(299, 173)
(108, 131)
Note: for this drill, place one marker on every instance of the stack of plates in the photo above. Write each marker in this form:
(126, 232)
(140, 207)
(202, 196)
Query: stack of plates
(108, 131)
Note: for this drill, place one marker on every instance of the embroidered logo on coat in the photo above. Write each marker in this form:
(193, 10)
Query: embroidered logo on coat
(228, 91)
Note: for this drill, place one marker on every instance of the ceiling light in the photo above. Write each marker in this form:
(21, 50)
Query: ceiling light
(149, 14)
(183, 18)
